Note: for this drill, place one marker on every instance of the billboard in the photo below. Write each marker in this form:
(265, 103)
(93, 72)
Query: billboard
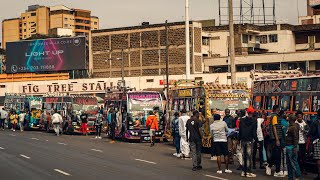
(43, 55)
(314, 3)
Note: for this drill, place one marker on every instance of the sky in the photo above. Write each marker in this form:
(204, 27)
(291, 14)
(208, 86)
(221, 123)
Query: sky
(120, 13)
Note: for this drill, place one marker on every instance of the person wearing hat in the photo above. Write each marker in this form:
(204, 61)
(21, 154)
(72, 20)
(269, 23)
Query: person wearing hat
(218, 130)
(247, 134)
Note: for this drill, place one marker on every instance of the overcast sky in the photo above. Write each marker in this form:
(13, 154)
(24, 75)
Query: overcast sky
(119, 13)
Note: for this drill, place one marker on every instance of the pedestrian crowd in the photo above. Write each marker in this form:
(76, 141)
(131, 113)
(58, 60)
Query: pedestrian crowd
(281, 140)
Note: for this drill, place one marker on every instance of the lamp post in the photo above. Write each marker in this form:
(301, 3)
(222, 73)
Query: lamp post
(187, 40)
(123, 83)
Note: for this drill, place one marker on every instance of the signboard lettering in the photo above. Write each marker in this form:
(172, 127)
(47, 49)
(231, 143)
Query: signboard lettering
(185, 92)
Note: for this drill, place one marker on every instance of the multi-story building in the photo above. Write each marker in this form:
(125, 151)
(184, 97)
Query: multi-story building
(40, 19)
(313, 13)
(144, 50)
(272, 47)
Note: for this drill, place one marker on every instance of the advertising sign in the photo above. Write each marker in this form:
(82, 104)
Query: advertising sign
(44, 55)
(144, 101)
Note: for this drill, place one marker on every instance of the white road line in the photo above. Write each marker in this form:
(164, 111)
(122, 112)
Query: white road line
(145, 161)
(25, 156)
(62, 143)
(12, 135)
(62, 172)
(1, 148)
(96, 150)
(215, 177)
(35, 139)
(47, 140)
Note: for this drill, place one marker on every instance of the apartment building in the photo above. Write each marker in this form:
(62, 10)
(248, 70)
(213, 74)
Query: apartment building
(271, 47)
(40, 19)
(313, 13)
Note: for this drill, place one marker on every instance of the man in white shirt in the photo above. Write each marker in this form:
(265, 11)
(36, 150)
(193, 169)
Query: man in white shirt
(3, 117)
(22, 115)
(185, 149)
(57, 121)
(303, 131)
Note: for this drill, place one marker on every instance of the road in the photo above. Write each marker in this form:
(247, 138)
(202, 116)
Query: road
(38, 155)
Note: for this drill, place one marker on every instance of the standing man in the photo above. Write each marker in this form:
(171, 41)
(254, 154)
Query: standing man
(175, 133)
(3, 117)
(193, 128)
(218, 130)
(57, 122)
(303, 131)
(248, 134)
(152, 124)
(84, 121)
(98, 124)
(315, 135)
(112, 118)
(292, 138)
(185, 149)
(231, 123)
(275, 141)
(22, 115)
(258, 145)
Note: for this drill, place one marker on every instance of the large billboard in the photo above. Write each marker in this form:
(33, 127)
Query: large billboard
(314, 3)
(43, 55)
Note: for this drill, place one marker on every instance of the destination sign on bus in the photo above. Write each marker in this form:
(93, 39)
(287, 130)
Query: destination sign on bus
(185, 92)
(230, 95)
(143, 96)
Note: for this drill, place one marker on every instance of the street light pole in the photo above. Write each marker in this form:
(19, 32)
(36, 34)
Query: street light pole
(122, 69)
(232, 50)
(187, 41)
(167, 66)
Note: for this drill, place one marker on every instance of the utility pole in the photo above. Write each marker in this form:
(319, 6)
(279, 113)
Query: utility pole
(167, 66)
(187, 41)
(122, 70)
(232, 50)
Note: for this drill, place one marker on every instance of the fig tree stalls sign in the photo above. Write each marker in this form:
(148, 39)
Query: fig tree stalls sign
(62, 88)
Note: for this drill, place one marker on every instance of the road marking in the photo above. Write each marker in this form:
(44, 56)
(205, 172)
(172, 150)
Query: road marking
(172, 149)
(25, 156)
(35, 139)
(145, 161)
(1, 148)
(215, 177)
(62, 172)
(12, 135)
(62, 143)
(47, 140)
(96, 150)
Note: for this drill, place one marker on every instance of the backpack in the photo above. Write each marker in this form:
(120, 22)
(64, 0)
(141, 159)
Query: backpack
(175, 126)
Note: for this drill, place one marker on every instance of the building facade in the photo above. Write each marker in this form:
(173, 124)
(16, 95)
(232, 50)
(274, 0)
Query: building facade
(272, 47)
(40, 19)
(144, 50)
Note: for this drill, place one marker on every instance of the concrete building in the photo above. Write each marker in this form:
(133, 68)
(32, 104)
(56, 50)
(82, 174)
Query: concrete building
(40, 19)
(272, 47)
(144, 49)
(313, 13)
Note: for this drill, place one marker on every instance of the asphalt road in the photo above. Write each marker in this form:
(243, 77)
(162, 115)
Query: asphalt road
(38, 156)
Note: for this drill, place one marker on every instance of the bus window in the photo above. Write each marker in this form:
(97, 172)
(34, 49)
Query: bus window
(285, 103)
(181, 104)
(315, 103)
(257, 102)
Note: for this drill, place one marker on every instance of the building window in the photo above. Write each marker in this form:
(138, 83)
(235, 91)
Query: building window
(245, 38)
(218, 69)
(150, 80)
(95, 23)
(273, 38)
(24, 30)
(271, 66)
(244, 68)
(263, 39)
(66, 25)
(205, 41)
(24, 24)
(33, 14)
(66, 19)
(23, 17)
